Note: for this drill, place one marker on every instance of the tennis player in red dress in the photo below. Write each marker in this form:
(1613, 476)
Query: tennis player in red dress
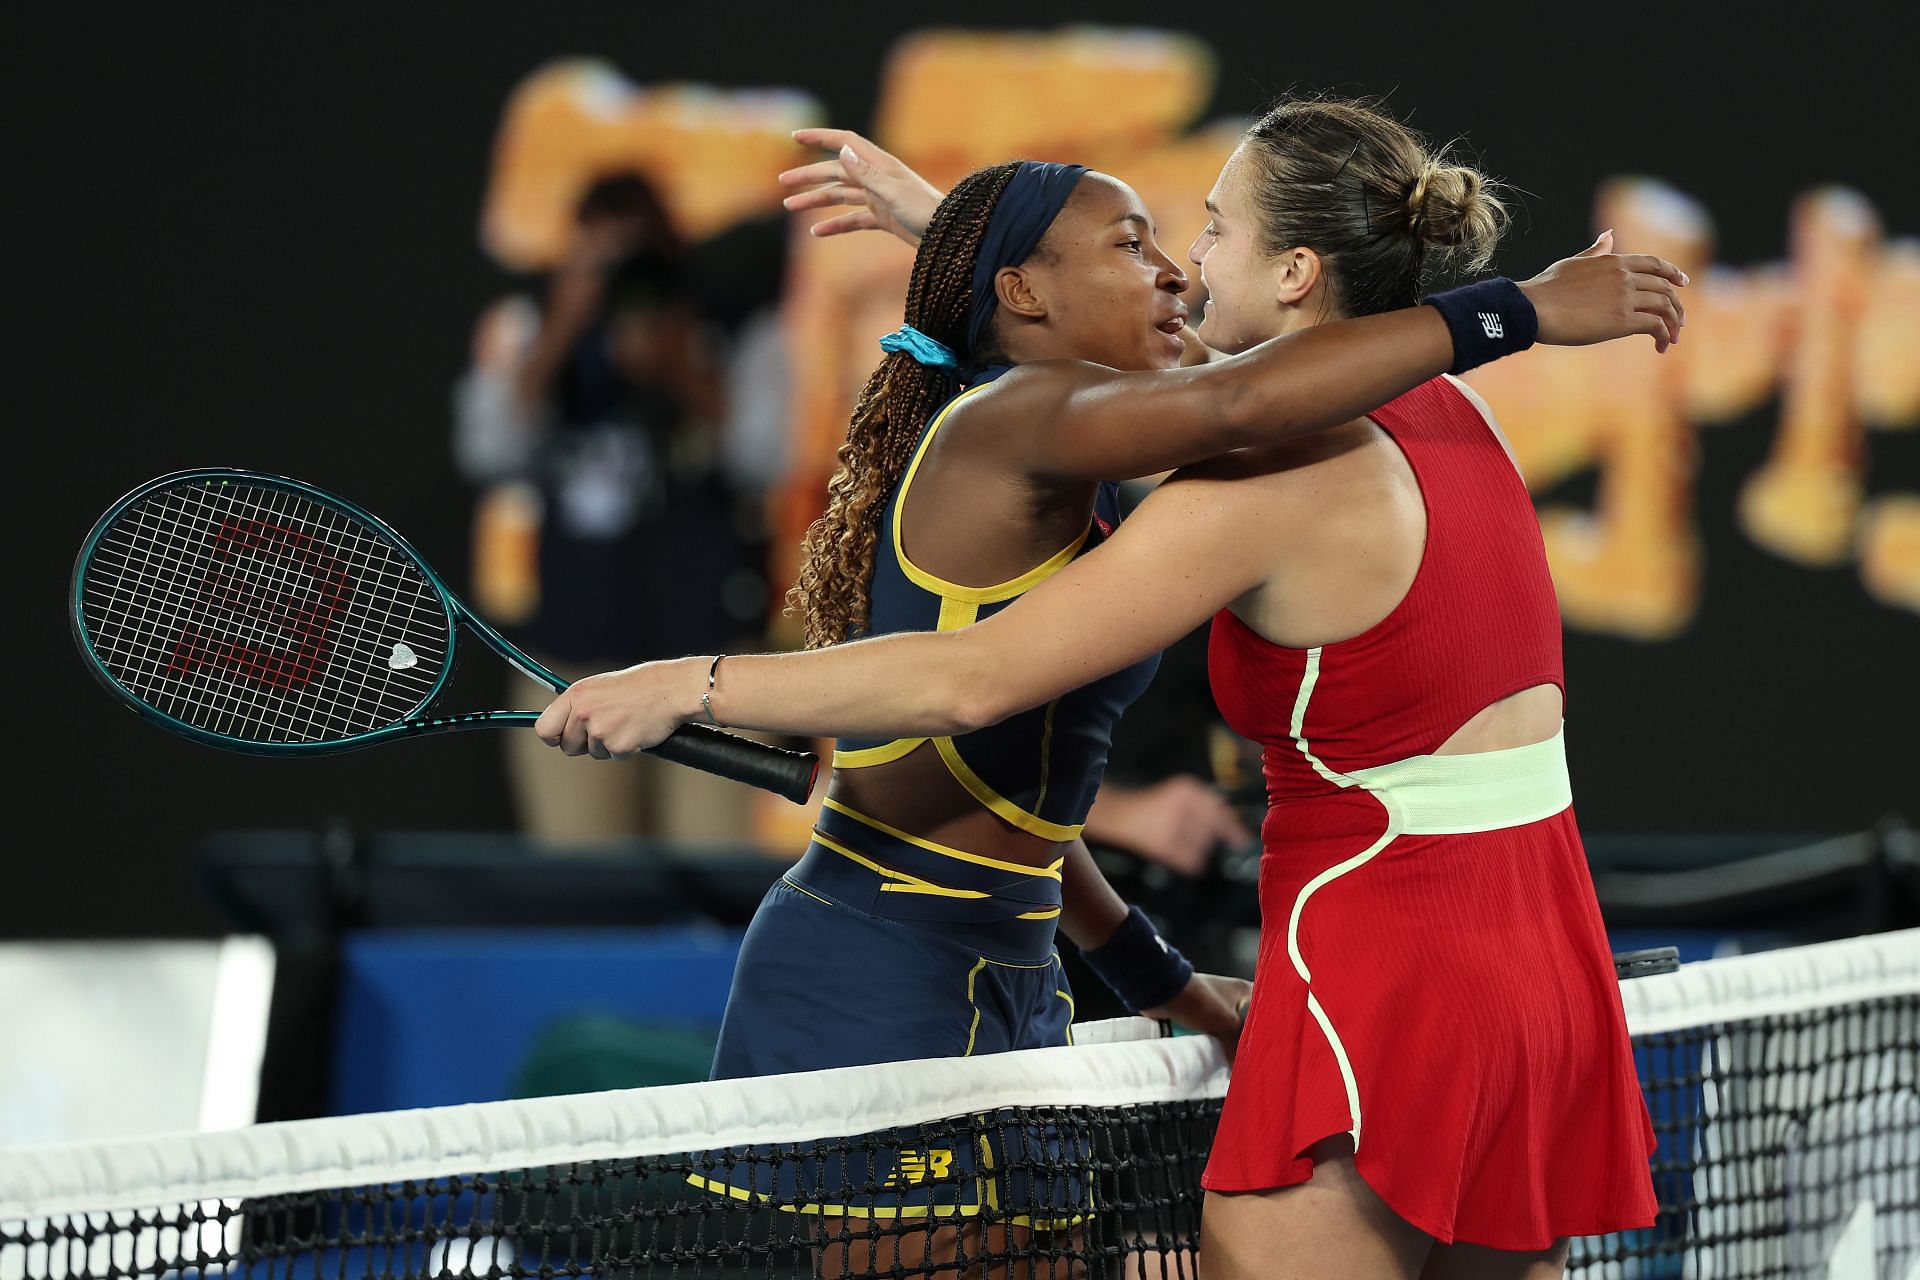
(1435, 989)
(1434, 1078)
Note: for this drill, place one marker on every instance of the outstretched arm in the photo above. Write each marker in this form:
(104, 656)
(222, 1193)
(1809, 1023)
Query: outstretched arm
(1105, 425)
(1175, 562)
(1169, 567)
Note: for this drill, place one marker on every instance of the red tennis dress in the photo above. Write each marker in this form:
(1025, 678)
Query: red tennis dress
(1433, 977)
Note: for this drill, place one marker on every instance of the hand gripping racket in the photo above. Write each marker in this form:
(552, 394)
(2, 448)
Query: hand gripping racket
(262, 615)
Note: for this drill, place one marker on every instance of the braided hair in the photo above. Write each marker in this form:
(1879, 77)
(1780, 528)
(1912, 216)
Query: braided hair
(832, 593)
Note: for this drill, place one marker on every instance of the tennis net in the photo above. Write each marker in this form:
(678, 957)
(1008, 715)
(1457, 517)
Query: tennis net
(1783, 1087)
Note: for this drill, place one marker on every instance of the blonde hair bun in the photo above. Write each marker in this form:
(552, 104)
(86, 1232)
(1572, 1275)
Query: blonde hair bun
(1454, 210)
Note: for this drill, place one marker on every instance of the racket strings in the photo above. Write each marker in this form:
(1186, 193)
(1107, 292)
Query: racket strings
(152, 538)
(250, 632)
(255, 612)
(168, 529)
(383, 577)
(283, 580)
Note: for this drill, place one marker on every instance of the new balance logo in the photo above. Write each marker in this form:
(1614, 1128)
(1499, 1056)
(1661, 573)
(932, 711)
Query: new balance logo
(917, 1167)
(1490, 324)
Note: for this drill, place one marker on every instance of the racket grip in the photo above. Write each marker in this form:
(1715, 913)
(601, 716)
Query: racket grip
(786, 773)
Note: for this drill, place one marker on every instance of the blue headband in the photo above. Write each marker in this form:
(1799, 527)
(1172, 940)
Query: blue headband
(1026, 208)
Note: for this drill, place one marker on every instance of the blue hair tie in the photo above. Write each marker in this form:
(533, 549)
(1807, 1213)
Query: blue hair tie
(933, 354)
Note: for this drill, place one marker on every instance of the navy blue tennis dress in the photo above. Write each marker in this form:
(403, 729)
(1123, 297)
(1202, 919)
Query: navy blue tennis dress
(881, 946)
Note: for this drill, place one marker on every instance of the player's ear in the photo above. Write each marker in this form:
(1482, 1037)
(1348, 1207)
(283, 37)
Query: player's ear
(1019, 293)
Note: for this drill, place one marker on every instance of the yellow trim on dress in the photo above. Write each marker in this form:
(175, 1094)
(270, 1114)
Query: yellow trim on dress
(960, 607)
(985, 1188)
(1048, 963)
(885, 753)
(934, 890)
(973, 1030)
(1046, 754)
(1006, 808)
(800, 888)
(1051, 870)
(990, 1184)
(986, 1199)
(901, 881)
(940, 586)
(982, 963)
(986, 1179)
(716, 1187)
(955, 614)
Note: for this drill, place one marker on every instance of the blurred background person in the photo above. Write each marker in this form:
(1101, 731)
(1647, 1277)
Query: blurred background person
(622, 457)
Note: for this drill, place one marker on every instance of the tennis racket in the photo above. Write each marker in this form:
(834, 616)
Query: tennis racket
(259, 614)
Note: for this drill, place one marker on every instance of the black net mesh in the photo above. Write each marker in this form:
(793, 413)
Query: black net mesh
(1773, 1132)
(1784, 1142)
(1044, 1191)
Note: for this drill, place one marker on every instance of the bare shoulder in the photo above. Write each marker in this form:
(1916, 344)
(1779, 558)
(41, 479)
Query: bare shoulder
(1036, 384)
(1021, 397)
(1479, 402)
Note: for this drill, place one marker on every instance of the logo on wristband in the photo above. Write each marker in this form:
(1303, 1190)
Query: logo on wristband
(1491, 326)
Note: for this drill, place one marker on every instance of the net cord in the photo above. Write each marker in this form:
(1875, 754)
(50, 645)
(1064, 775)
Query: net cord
(1107, 1067)
(1769, 984)
(313, 1155)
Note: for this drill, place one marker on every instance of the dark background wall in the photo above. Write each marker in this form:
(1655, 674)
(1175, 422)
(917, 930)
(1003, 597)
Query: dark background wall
(252, 241)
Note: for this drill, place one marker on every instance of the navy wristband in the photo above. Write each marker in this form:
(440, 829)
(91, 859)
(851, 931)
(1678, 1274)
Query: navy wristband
(1487, 320)
(1141, 967)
